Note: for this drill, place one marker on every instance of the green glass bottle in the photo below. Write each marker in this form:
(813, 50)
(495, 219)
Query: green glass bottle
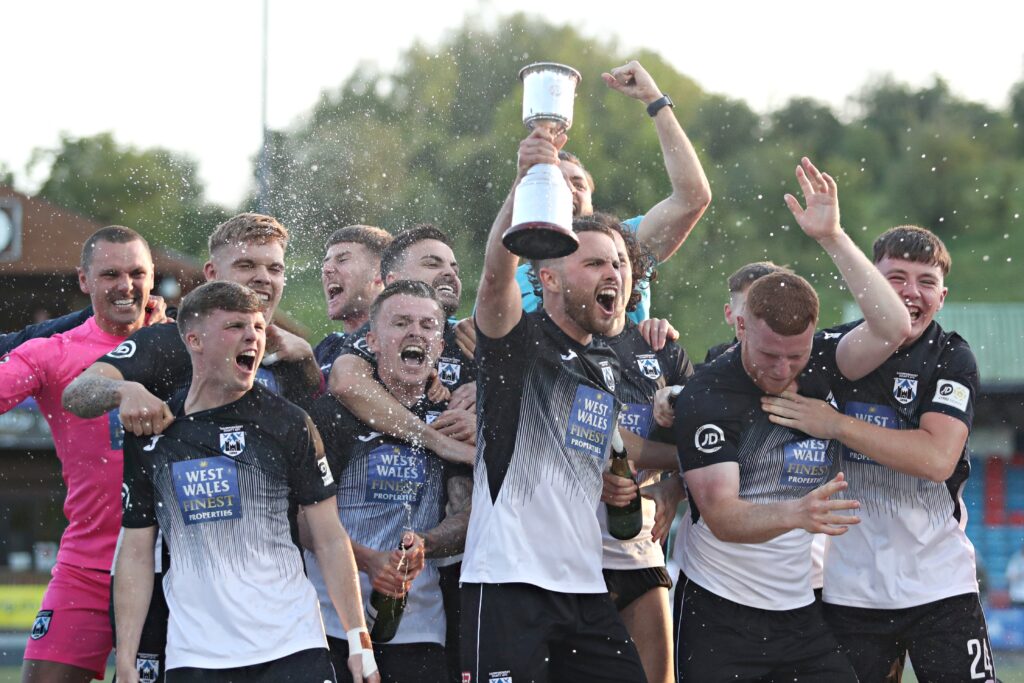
(624, 522)
(384, 612)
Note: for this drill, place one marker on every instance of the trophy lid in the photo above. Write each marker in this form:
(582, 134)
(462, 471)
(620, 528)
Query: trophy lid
(550, 66)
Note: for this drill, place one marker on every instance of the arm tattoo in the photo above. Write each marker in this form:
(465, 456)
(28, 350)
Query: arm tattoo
(91, 396)
(449, 537)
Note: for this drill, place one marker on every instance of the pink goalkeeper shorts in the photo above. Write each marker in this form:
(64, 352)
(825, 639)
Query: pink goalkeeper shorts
(73, 624)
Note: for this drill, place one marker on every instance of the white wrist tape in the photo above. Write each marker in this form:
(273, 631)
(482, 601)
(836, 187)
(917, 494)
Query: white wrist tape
(359, 643)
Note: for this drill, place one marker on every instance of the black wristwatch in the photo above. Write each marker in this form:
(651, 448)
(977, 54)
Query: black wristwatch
(654, 107)
(673, 394)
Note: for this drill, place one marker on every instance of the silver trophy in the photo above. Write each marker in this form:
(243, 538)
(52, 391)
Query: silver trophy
(542, 209)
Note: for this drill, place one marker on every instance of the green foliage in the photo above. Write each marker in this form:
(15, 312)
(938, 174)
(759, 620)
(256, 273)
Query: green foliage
(6, 175)
(435, 140)
(155, 191)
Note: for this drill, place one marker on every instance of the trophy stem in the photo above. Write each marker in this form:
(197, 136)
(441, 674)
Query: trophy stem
(542, 216)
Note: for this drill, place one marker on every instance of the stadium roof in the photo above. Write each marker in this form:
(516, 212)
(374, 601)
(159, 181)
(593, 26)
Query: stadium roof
(996, 335)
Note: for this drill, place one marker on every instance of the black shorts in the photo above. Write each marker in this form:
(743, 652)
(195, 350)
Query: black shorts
(410, 663)
(947, 640)
(448, 576)
(152, 655)
(305, 666)
(519, 632)
(626, 585)
(720, 640)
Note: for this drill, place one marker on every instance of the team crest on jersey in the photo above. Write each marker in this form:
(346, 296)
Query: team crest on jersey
(449, 372)
(467, 677)
(148, 667)
(904, 388)
(232, 441)
(499, 677)
(125, 349)
(431, 416)
(41, 626)
(608, 374)
(649, 366)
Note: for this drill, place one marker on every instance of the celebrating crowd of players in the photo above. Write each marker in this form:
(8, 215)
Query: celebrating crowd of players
(248, 493)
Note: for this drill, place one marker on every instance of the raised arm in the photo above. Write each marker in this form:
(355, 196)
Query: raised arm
(101, 388)
(499, 304)
(886, 320)
(715, 489)
(668, 223)
(352, 382)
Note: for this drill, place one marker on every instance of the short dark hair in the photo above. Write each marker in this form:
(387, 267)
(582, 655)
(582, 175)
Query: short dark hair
(374, 239)
(219, 295)
(641, 261)
(414, 288)
(115, 234)
(785, 301)
(395, 251)
(572, 158)
(913, 243)
(748, 274)
(248, 228)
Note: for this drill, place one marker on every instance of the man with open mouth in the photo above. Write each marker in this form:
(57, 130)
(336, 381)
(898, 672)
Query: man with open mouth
(664, 228)
(534, 600)
(387, 486)
(904, 429)
(247, 249)
(760, 490)
(422, 253)
(71, 636)
(351, 280)
(220, 482)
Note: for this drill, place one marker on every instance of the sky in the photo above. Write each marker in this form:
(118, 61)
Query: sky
(187, 75)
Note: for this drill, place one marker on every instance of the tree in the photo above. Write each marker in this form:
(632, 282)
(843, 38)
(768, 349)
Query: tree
(435, 140)
(154, 191)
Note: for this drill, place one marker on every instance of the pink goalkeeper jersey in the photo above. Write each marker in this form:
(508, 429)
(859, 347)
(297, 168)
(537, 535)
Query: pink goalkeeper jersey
(89, 450)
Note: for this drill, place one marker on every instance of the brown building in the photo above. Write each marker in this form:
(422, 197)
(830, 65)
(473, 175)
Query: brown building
(40, 245)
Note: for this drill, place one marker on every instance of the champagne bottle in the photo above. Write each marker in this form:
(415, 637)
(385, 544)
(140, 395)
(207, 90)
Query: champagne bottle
(384, 612)
(623, 522)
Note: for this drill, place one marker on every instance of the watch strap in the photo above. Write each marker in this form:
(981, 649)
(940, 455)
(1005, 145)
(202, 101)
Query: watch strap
(657, 105)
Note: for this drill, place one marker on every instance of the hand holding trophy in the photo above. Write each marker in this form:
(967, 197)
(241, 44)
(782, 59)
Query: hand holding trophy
(542, 209)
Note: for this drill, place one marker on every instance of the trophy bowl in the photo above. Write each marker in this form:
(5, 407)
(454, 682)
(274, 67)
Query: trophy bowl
(542, 210)
(548, 93)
